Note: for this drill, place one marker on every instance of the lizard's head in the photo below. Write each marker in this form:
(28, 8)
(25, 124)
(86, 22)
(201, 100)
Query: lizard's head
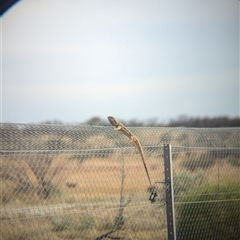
(113, 121)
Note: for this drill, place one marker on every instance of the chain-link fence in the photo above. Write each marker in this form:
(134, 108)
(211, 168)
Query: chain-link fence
(207, 192)
(88, 182)
(78, 182)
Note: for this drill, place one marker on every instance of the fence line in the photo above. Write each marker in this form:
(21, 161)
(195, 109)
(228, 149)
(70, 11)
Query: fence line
(207, 192)
(84, 182)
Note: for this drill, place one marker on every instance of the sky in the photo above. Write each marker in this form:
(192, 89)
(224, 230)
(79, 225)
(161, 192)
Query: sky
(70, 60)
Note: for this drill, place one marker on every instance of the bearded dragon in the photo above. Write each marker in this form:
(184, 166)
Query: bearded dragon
(132, 138)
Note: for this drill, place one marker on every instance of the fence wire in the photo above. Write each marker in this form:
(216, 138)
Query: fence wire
(207, 192)
(88, 182)
(77, 182)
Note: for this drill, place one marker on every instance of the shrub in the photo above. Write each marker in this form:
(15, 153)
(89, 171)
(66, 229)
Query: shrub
(201, 161)
(63, 223)
(183, 181)
(87, 222)
(211, 214)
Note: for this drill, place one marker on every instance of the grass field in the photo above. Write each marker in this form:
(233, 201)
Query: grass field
(84, 201)
(84, 196)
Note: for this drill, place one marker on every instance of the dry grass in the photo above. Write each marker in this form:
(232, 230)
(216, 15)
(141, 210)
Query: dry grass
(95, 184)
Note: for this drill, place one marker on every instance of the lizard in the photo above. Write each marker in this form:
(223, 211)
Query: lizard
(132, 138)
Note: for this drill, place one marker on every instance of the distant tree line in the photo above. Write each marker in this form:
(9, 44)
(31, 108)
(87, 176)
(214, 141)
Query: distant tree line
(181, 121)
(206, 122)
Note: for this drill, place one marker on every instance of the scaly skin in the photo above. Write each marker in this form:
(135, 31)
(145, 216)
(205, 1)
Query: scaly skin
(132, 138)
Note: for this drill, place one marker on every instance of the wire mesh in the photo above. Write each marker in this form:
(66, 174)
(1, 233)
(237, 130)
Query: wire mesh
(78, 182)
(207, 192)
(88, 182)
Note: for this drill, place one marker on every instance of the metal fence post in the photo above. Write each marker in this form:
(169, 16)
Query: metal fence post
(169, 192)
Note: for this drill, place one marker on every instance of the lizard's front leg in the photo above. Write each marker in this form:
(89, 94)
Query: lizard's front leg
(118, 128)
